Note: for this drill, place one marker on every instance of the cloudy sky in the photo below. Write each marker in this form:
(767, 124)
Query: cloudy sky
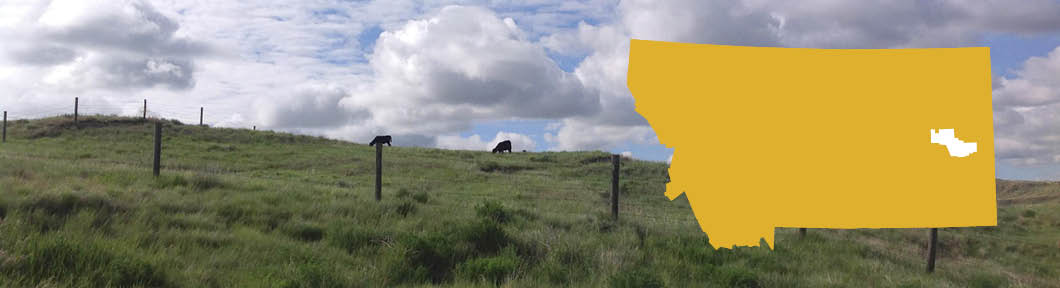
(549, 75)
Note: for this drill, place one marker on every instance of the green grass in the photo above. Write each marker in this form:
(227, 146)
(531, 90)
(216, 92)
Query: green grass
(239, 208)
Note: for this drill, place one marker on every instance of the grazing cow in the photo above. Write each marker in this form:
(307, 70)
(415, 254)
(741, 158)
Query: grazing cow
(380, 140)
(503, 146)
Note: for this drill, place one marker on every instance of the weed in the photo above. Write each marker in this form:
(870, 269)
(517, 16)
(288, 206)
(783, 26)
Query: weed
(486, 237)
(986, 280)
(491, 269)
(491, 166)
(314, 275)
(494, 211)
(733, 276)
(86, 262)
(406, 208)
(421, 197)
(303, 231)
(422, 259)
(354, 238)
(636, 278)
(50, 211)
(203, 182)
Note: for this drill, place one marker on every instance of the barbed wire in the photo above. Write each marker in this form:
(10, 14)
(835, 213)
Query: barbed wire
(87, 107)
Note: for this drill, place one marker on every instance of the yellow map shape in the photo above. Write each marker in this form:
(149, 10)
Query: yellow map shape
(819, 138)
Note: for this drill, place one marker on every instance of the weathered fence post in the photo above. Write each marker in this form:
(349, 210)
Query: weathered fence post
(158, 147)
(932, 246)
(200, 116)
(802, 232)
(145, 109)
(616, 159)
(255, 127)
(75, 111)
(378, 171)
(5, 127)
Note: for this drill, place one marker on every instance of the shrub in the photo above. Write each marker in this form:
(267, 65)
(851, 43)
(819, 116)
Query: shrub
(406, 208)
(732, 276)
(166, 181)
(637, 278)
(492, 269)
(984, 280)
(354, 238)
(494, 211)
(84, 262)
(50, 211)
(568, 263)
(314, 275)
(402, 193)
(303, 231)
(421, 197)
(203, 182)
(422, 259)
(485, 237)
(543, 158)
(222, 148)
(1029, 213)
(433, 257)
(491, 166)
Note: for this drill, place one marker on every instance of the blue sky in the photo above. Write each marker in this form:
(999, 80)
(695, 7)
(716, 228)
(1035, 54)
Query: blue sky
(466, 74)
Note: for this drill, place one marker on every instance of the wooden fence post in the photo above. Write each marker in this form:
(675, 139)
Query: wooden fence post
(145, 109)
(200, 116)
(5, 127)
(378, 171)
(158, 148)
(932, 246)
(75, 111)
(615, 159)
(802, 232)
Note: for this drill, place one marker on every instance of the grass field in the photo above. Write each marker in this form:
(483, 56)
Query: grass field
(240, 208)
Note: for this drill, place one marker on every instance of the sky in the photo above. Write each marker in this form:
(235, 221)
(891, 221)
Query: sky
(548, 75)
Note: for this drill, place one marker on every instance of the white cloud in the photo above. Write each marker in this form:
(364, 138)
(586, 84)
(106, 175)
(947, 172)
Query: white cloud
(438, 70)
(627, 154)
(812, 24)
(1027, 113)
(66, 47)
(1035, 84)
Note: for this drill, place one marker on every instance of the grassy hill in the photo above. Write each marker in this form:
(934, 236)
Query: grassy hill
(79, 207)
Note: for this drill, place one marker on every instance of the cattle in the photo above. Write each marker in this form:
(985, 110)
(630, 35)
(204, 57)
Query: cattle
(380, 140)
(505, 145)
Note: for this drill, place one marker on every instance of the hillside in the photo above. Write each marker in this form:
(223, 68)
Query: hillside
(233, 207)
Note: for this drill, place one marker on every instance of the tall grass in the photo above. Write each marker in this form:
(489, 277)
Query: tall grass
(238, 208)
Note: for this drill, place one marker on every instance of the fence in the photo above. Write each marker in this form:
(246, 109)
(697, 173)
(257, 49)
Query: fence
(183, 115)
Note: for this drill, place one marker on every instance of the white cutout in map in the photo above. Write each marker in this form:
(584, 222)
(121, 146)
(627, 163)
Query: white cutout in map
(956, 147)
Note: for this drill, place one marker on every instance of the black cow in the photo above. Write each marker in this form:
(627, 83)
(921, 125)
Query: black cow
(380, 140)
(503, 146)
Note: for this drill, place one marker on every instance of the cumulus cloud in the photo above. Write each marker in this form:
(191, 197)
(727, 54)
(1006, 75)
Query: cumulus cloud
(313, 106)
(1035, 84)
(1027, 112)
(112, 45)
(810, 24)
(475, 142)
(461, 65)
(318, 68)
